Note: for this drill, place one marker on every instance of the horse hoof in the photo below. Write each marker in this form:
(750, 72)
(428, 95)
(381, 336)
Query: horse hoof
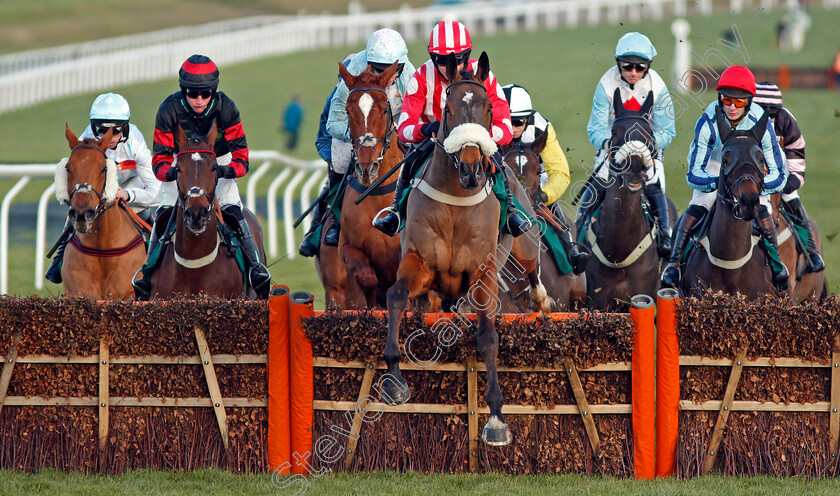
(496, 433)
(394, 393)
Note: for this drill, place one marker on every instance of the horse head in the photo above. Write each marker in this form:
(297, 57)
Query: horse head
(465, 133)
(196, 163)
(86, 180)
(742, 166)
(632, 143)
(369, 119)
(524, 160)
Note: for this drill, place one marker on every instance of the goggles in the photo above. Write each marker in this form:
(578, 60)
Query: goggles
(738, 102)
(195, 93)
(460, 58)
(518, 121)
(627, 66)
(102, 130)
(379, 68)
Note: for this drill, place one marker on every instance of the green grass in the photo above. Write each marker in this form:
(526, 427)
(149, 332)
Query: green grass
(144, 482)
(559, 68)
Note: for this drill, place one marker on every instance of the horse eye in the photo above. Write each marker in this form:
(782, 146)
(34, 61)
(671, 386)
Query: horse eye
(105, 169)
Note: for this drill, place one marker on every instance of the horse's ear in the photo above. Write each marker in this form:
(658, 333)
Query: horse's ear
(724, 129)
(344, 74)
(72, 140)
(210, 139)
(451, 68)
(483, 67)
(105, 141)
(388, 73)
(648, 104)
(761, 127)
(618, 105)
(539, 143)
(181, 137)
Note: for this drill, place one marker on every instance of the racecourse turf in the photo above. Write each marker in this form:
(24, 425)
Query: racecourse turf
(559, 68)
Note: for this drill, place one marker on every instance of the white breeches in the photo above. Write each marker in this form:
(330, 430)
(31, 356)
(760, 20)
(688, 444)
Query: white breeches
(227, 191)
(342, 153)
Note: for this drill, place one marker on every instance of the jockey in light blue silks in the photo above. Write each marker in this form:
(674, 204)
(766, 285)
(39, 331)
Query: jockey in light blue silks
(736, 90)
(384, 47)
(634, 80)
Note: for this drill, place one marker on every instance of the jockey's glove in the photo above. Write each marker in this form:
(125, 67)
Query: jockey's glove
(172, 173)
(430, 128)
(225, 172)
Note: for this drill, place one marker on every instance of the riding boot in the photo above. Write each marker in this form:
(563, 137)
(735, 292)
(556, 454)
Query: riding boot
(307, 248)
(577, 258)
(333, 234)
(659, 203)
(781, 277)
(390, 223)
(54, 271)
(516, 223)
(814, 259)
(258, 275)
(590, 199)
(143, 287)
(671, 276)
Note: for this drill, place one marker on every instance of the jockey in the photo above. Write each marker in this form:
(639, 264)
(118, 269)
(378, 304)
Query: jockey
(528, 125)
(736, 90)
(195, 108)
(384, 47)
(793, 143)
(138, 185)
(634, 78)
(422, 110)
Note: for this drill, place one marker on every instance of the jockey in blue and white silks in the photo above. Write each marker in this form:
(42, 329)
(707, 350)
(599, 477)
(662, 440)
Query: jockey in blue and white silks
(634, 80)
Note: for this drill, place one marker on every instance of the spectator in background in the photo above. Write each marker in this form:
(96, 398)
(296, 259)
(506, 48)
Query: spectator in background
(292, 117)
(837, 71)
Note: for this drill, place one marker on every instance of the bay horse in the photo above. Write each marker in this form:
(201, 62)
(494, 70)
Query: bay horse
(370, 257)
(726, 259)
(107, 248)
(452, 244)
(331, 270)
(624, 259)
(803, 285)
(198, 261)
(524, 160)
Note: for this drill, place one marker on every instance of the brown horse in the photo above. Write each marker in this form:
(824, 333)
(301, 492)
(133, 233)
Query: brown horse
(370, 257)
(624, 259)
(331, 270)
(107, 248)
(803, 285)
(727, 259)
(198, 262)
(524, 160)
(451, 243)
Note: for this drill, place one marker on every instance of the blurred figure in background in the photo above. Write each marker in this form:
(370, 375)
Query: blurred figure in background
(292, 118)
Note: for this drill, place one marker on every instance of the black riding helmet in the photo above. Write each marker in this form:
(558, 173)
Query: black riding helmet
(198, 72)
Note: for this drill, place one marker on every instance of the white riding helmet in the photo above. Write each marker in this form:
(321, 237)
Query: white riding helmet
(110, 110)
(519, 101)
(386, 46)
(635, 48)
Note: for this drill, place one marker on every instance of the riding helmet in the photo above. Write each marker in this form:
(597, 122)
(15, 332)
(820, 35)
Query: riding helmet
(199, 72)
(110, 110)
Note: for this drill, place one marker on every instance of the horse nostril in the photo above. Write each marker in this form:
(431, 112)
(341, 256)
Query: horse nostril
(90, 215)
(72, 215)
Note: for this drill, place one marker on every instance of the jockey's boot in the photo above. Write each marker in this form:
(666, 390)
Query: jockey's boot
(390, 223)
(143, 287)
(577, 258)
(671, 276)
(780, 277)
(307, 249)
(516, 223)
(258, 275)
(659, 203)
(589, 202)
(54, 271)
(334, 232)
(815, 260)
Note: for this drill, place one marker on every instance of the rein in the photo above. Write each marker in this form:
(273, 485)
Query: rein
(368, 139)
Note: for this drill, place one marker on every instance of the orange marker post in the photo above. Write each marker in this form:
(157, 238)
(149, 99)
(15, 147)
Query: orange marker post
(667, 381)
(643, 387)
(302, 382)
(279, 436)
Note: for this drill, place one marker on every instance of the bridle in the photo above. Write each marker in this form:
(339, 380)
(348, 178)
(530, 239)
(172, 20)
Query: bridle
(368, 139)
(724, 191)
(445, 122)
(196, 191)
(519, 151)
(85, 188)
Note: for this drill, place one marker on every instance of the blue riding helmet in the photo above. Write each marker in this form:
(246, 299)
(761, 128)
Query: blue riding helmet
(635, 48)
(386, 46)
(110, 110)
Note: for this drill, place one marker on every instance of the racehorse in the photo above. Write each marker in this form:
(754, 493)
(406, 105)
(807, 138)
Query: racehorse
(331, 270)
(803, 285)
(451, 243)
(726, 259)
(524, 160)
(624, 259)
(107, 247)
(370, 257)
(200, 260)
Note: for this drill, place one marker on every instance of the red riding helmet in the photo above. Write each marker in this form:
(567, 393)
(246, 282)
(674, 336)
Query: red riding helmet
(737, 81)
(199, 72)
(449, 37)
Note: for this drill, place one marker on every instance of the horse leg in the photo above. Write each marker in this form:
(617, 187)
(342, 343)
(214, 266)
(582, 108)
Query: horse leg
(526, 254)
(360, 274)
(413, 278)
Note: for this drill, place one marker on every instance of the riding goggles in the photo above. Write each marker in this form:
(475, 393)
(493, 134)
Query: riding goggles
(460, 58)
(195, 93)
(379, 68)
(738, 102)
(518, 121)
(627, 66)
(102, 129)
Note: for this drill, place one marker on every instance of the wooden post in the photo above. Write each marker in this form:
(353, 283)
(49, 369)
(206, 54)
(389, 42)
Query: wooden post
(355, 433)
(723, 414)
(212, 383)
(583, 407)
(104, 399)
(472, 411)
(834, 407)
(8, 367)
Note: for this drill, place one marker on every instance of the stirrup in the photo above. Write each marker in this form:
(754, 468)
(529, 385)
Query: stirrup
(386, 209)
(141, 292)
(521, 228)
(666, 279)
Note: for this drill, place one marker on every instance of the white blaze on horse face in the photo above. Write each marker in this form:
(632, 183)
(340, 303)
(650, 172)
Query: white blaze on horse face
(195, 157)
(521, 160)
(468, 96)
(365, 104)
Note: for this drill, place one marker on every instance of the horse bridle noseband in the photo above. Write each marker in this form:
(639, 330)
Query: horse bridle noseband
(195, 191)
(368, 139)
(445, 122)
(725, 191)
(87, 188)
